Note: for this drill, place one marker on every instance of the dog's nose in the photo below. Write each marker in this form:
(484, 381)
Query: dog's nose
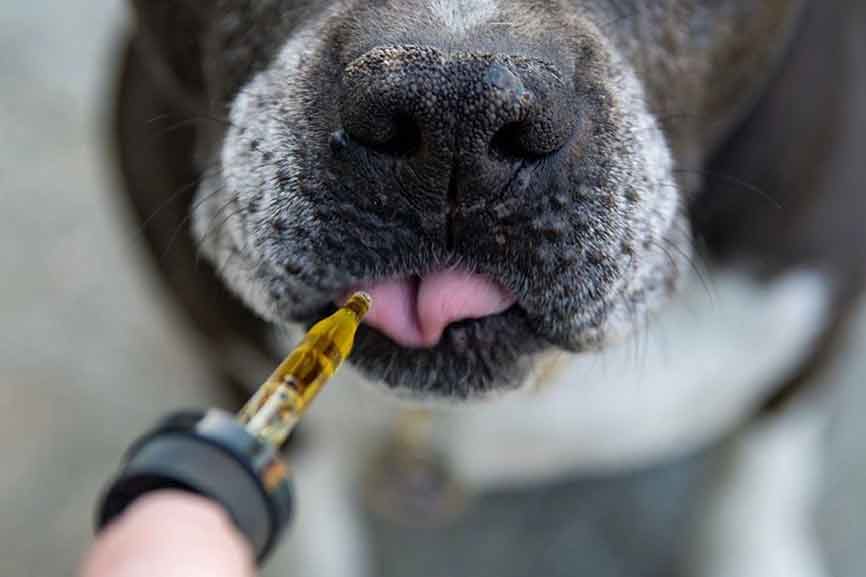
(419, 102)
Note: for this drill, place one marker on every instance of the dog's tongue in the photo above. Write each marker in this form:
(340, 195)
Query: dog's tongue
(415, 312)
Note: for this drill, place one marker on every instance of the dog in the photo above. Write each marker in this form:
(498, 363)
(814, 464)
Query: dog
(613, 246)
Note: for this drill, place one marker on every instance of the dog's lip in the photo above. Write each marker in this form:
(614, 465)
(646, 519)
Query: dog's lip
(414, 311)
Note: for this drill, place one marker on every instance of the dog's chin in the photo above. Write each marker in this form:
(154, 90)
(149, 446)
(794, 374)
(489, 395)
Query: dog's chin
(474, 358)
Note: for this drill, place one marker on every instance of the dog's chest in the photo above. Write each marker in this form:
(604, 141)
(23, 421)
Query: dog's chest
(604, 526)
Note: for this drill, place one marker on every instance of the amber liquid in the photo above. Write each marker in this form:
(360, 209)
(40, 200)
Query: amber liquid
(276, 407)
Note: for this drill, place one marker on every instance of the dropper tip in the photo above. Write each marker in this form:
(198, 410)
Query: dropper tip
(359, 303)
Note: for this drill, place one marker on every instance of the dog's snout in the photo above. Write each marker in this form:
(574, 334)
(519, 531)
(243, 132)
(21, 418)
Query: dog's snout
(417, 101)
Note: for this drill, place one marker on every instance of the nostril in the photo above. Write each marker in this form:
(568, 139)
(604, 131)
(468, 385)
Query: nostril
(405, 139)
(518, 141)
(397, 136)
(535, 111)
(506, 143)
(544, 133)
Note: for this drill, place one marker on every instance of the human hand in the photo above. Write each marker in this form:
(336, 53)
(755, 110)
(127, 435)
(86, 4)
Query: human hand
(170, 534)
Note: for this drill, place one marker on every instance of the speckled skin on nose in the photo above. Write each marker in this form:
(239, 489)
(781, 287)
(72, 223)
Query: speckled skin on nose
(463, 97)
(465, 120)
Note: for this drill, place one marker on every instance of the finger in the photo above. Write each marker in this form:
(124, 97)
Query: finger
(171, 534)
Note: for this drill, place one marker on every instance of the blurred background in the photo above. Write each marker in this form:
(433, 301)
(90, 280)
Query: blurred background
(91, 352)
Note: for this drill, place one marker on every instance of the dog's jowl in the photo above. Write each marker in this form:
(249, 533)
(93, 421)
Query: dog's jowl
(612, 245)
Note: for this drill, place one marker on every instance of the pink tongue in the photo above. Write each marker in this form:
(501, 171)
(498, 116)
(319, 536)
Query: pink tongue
(414, 313)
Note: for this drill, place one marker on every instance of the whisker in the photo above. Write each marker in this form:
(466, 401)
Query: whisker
(251, 269)
(165, 116)
(651, 319)
(634, 340)
(704, 279)
(189, 121)
(222, 268)
(180, 191)
(665, 120)
(195, 206)
(214, 228)
(694, 264)
(217, 227)
(186, 220)
(158, 118)
(732, 180)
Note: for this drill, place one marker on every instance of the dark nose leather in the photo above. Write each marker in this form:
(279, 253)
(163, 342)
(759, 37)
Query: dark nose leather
(418, 102)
